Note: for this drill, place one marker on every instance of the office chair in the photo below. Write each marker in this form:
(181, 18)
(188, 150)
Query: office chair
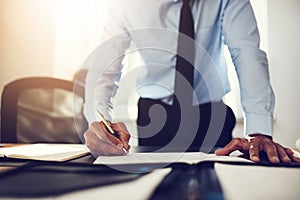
(42, 109)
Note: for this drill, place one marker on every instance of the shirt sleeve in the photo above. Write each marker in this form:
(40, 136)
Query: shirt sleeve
(242, 37)
(104, 66)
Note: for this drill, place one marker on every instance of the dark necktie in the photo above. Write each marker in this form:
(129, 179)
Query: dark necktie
(185, 55)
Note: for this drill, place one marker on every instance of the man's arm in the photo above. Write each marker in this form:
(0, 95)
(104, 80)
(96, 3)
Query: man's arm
(242, 37)
(105, 65)
(104, 71)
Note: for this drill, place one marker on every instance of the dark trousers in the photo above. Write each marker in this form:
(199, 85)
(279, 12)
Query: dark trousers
(162, 125)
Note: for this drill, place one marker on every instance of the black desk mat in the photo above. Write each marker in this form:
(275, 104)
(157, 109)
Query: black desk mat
(38, 179)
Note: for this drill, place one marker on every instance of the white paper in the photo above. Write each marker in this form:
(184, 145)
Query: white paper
(148, 158)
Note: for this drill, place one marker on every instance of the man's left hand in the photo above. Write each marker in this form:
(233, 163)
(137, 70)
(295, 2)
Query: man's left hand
(259, 143)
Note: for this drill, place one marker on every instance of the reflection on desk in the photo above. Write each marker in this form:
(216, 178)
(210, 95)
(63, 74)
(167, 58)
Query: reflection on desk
(137, 189)
(258, 182)
(6, 168)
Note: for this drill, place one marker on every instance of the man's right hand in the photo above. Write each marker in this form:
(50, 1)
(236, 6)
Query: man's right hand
(101, 142)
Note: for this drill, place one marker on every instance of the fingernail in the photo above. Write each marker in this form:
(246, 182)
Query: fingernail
(255, 158)
(218, 151)
(275, 159)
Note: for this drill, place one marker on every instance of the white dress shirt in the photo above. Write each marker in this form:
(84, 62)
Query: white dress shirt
(151, 26)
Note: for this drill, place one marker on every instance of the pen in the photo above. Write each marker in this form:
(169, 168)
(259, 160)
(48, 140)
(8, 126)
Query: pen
(111, 131)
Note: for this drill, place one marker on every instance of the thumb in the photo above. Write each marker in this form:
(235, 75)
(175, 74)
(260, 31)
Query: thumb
(222, 152)
(234, 144)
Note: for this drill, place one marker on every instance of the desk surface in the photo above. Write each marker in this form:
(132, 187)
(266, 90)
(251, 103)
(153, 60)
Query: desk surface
(283, 181)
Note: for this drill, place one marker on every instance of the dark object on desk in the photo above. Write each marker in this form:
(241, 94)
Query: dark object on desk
(42, 109)
(48, 179)
(194, 182)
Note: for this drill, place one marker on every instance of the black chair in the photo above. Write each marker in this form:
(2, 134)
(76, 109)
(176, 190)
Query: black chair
(42, 109)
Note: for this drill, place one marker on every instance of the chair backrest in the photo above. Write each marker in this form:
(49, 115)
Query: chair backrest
(42, 109)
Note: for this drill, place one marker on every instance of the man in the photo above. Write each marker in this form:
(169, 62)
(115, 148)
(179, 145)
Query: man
(205, 120)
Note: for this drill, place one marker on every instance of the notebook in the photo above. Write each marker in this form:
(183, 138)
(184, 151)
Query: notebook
(45, 152)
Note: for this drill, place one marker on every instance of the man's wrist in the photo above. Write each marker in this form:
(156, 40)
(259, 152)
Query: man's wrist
(252, 135)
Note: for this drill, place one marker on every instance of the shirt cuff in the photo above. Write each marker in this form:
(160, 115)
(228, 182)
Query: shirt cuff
(258, 124)
(92, 115)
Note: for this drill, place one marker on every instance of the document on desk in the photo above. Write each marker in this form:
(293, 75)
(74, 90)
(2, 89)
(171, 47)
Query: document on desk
(152, 158)
(45, 152)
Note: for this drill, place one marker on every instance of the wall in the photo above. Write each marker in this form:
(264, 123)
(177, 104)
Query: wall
(26, 39)
(284, 49)
(47, 37)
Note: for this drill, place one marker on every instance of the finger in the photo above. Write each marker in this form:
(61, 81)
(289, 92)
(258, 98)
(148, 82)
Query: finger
(282, 154)
(98, 129)
(245, 145)
(98, 147)
(234, 144)
(270, 149)
(107, 137)
(123, 133)
(254, 152)
(102, 134)
(292, 155)
(119, 126)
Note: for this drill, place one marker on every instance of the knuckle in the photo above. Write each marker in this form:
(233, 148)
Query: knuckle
(244, 141)
(269, 145)
(127, 136)
(254, 147)
(235, 141)
(87, 135)
(122, 124)
(94, 124)
(280, 148)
